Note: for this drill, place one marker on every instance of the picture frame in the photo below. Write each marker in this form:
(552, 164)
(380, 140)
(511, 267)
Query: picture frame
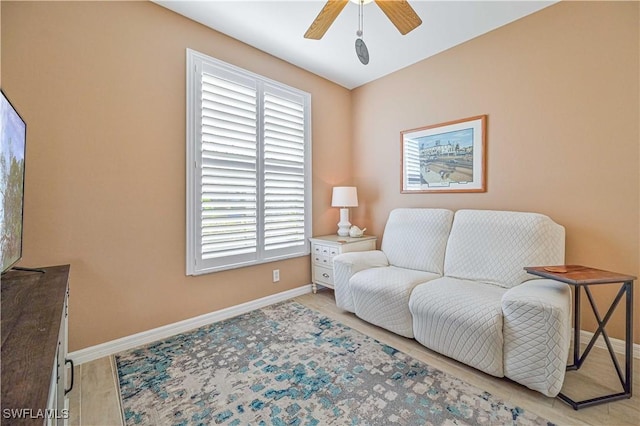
(445, 157)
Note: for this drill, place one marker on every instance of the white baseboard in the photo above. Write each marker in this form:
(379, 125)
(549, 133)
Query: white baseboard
(129, 342)
(616, 344)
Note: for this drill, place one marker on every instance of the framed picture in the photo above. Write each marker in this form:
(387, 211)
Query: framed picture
(446, 157)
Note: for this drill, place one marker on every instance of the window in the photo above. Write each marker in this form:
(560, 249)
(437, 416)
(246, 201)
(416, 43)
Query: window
(248, 167)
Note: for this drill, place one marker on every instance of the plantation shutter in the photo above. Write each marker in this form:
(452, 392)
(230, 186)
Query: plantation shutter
(229, 176)
(284, 171)
(248, 168)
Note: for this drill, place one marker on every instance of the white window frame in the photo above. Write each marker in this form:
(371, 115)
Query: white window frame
(195, 265)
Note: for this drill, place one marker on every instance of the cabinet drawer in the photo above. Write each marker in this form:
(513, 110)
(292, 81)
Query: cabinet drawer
(322, 260)
(323, 275)
(322, 250)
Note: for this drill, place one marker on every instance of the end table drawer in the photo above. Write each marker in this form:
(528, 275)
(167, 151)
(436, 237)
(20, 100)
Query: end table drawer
(322, 260)
(322, 250)
(323, 275)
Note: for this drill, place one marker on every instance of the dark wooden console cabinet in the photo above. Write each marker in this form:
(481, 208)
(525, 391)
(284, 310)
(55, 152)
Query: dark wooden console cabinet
(34, 346)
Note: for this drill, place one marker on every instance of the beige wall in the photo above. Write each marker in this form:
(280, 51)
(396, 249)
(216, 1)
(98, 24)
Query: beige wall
(102, 89)
(560, 88)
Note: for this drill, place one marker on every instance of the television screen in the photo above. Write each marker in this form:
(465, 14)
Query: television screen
(13, 132)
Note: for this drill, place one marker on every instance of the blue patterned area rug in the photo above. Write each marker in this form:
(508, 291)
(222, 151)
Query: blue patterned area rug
(288, 365)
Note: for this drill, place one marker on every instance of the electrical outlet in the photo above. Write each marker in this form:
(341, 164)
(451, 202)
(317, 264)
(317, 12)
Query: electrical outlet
(276, 275)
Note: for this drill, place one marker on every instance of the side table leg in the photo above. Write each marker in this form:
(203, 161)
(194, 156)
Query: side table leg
(628, 371)
(314, 287)
(576, 329)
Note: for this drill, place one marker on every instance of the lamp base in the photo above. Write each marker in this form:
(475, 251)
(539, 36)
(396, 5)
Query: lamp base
(344, 224)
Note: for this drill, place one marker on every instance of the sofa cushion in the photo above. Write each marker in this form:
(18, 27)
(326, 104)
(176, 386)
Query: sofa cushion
(417, 238)
(495, 246)
(381, 296)
(462, 320)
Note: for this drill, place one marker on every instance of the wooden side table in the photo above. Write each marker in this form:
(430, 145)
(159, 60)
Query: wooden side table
(584, 277)
(325, 248)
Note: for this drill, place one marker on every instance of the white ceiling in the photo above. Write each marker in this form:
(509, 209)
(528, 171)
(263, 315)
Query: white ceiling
(277, 27)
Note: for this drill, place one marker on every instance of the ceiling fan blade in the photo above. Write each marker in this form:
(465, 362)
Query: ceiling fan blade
(325, 18)
(401, 14)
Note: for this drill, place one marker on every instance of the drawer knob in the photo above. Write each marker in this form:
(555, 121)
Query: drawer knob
(324, 274)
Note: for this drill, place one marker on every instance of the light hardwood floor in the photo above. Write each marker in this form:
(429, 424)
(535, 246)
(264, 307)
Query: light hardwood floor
(95, 401)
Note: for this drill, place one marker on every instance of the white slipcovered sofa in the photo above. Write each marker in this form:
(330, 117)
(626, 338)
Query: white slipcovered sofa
(456, 283)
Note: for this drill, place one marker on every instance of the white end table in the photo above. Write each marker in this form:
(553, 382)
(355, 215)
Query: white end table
(326, 247)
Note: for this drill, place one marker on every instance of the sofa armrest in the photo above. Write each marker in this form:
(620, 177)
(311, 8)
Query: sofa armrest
(346, 265)
(537, 329)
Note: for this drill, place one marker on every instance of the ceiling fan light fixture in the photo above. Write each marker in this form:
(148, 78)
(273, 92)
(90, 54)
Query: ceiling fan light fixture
(399, 12)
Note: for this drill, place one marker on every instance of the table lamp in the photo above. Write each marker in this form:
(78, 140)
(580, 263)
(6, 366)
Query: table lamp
(344, 197)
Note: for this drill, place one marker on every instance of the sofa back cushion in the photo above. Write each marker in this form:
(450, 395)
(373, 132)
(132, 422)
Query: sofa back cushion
(495, 246)
(417, 238)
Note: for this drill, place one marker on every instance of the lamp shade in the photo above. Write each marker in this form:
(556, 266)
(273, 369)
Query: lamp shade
(344, 196)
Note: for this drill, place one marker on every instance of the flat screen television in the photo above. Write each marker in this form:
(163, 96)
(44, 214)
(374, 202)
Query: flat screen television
(13, 133)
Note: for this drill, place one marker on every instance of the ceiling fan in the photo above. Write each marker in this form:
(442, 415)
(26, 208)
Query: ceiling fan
(399, 12)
